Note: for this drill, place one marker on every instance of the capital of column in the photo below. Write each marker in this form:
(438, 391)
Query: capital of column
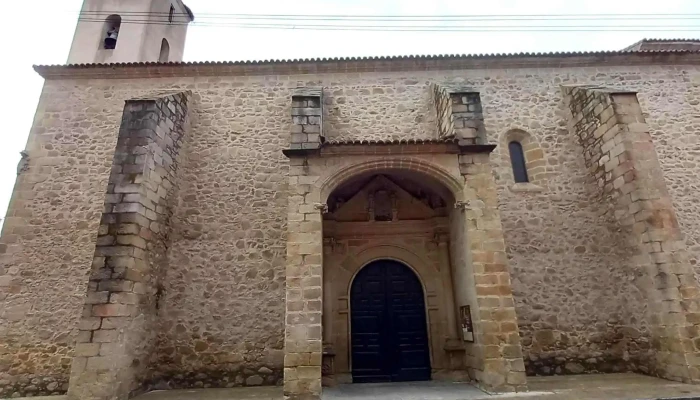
(441, 238)
(462, 205)
(322, 207)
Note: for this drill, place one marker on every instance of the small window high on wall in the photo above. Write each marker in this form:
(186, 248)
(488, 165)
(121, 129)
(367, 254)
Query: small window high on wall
(111, 32)
(517, 161)
(171, 16)
(164, 51)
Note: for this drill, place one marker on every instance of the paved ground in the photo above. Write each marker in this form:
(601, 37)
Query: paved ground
(253, 393)
(405, 391)
(576, 387)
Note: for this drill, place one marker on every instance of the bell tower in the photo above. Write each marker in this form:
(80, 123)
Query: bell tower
(120, 31)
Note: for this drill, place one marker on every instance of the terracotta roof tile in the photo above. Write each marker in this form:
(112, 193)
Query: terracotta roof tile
(370, 58)
(374, 64)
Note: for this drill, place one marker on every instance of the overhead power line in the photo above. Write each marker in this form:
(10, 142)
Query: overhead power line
(408, 18)
(403, 27)
(347, 16)
(420, 23)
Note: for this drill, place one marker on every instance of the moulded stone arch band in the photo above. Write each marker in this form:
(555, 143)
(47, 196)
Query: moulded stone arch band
(396, 253)
(518, 134)
(406, 164)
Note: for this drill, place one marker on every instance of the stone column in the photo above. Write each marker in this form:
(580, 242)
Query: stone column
(620, 155)
(304, 300)
(327, 298)
(328, 360)
(116, 332)
(499, 360)
(448, 285)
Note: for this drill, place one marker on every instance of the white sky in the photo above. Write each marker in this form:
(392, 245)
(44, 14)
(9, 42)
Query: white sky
(40, 32)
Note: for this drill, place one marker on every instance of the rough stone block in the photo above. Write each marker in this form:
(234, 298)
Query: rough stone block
(127, 188)
(115, 322)
(306, 111)
(131, 240)
(110, 310)
(87, 349)
(89, 323)
(105, 336)
(115, 285)
(100, 363)
(97, 298)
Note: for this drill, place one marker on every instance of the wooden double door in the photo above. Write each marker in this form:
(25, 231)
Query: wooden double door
(388, 323)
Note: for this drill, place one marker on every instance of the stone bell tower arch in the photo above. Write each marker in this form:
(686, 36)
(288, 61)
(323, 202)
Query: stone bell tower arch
(119, 31)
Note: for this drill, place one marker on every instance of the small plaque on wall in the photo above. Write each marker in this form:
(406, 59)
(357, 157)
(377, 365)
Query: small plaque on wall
(465, 316)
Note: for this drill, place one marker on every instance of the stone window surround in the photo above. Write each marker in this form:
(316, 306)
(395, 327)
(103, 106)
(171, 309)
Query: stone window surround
(517, 162)
(535, 162)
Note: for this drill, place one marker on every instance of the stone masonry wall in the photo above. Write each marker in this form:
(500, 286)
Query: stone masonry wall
(228, 251)
(222, 314)
(119, 324)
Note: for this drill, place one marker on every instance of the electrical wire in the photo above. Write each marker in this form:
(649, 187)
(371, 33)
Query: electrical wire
(408, 18)
(391, 17)
(420, 28)
(414, 23)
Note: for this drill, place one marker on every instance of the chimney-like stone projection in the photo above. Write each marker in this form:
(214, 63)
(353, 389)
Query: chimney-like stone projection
(459, 114)
(307, 118)
(117, 329)
(619, 153)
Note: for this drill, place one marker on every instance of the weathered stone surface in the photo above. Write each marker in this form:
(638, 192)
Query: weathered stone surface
(225, 284)
(621, 157)
(121, 305)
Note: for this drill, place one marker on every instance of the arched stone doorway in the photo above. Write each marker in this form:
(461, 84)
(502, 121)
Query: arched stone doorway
(431, 206)
(389, 339)
(403, 216)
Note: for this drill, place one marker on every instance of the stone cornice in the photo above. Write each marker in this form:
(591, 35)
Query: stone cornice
(386, 148)
(375, 64)
(360, 229)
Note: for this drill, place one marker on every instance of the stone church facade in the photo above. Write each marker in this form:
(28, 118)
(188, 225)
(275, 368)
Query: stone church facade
(316, 222)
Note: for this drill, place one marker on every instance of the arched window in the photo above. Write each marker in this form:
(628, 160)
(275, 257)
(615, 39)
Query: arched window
(164, 51)
(517, 160)
(111, 32)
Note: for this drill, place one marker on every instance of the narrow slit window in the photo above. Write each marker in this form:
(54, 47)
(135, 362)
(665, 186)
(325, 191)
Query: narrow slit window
(517, 160)
(171, 16)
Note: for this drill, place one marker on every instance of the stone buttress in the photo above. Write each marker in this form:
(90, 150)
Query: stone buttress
(118, 325)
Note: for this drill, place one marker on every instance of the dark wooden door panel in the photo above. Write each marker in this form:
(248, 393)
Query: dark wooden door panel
(389, 334)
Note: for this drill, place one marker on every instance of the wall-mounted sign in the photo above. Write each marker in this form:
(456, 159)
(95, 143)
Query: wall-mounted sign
(465, 317)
